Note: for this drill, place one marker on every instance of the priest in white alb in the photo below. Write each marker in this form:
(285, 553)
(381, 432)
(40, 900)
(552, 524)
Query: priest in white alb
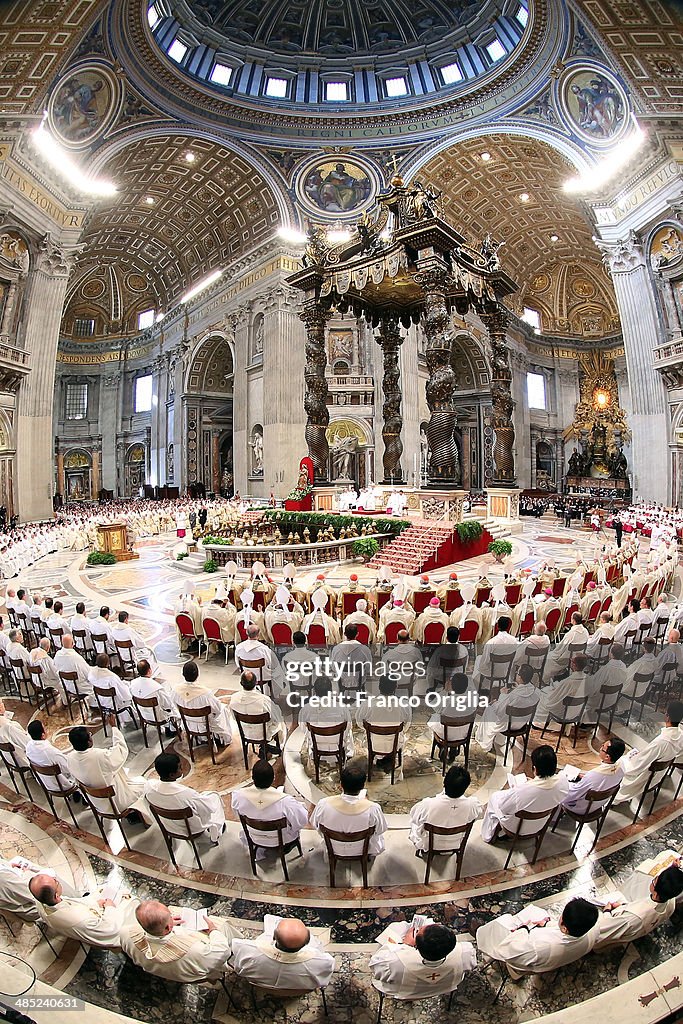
(667, 746)
(261, 801)
(624, 921)
(351, 811)
(420, 959)
(605, 776)
(93, 919)
(285, 958)
(448, 809)
(545, 791)
(168, 793)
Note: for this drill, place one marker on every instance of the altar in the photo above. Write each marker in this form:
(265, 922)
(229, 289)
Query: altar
(112, 539)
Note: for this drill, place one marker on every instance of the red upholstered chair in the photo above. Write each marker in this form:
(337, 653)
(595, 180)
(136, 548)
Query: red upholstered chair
(434, 633)
(282, 634)
(593, 612)
(212, 635)
(513, 592)
(469, 631)
(382, 598)
(483, 594)
(454, 600)
(526, 626)
(606, 604)
(567, 619)
(392, 631)
(363, 636)
(421, 599)
(552, 619)
(185, 627)
(316, 635)
(349, 601)
(242, 630)
(558, 586)
(259, 602)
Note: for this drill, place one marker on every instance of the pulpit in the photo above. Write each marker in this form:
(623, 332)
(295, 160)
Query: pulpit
(111, 539)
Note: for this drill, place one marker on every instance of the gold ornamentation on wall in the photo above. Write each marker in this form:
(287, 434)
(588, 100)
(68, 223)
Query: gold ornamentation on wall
(598, 404)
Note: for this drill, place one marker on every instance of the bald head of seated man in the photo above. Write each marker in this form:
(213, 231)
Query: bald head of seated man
(291, 935)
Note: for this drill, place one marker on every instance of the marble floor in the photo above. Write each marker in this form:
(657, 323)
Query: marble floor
(351, 915)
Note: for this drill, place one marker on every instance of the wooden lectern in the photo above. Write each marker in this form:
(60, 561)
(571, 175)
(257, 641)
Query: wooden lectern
(112, 540)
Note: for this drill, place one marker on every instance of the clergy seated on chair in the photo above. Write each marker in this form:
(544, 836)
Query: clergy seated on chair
(262, 801)
(605, 776)
(298, 664)
(351, 811)
(279, 613)
(502, 643)
(360, 617)
(222, 612)
(446, 810)
(67, 659)
(396, 616)
(169, 793)
(670, 654)
(353, 660)
(102, 677)
(552, 697)
(532, 943)
(97, 767)
(192, 694)
(628, 921)
(319, 624)
(448, 657)
(332, 712)
(664, 747)
(521, 694)
(286, 958)
(431, 616)
(576, 635)
(41, 753)
(79, 621)
(249, 700)
(92, 919)
(543, 792)
(122, 632)
(12, 732)
(604, 630)
(644, 668)
(15, 895)
(404, 662)
(253, 649)
(145, 686)
(387, 710)
(418, 963)
(156, 939)
(101, 626)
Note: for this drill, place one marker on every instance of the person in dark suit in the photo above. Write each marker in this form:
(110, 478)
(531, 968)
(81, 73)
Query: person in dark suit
(203, 515)
(618, 530)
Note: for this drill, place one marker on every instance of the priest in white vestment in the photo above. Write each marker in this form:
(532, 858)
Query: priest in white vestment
(43, 754)
(12, 732)
(101, 676)
(156, 938)
(98, 767)
(531, 943)
(351, 811)
(262, 801)
(169, 794)
(605, 776)
(93, 919)
(545, 791)
(361, 618)
(66, 659)
(667, 746)
(121, 631)
(576, 684)
(192, 694)
(285, 958)
(224, 613)
(145, 686)
(319, 617)
(416, 963)
(645, 668)
(502, 643)
(323, 716)
(576, 636)
(250, 700)
(252, 649)
(446, 810)
(396, 611)
(521, 694)
(628, 921)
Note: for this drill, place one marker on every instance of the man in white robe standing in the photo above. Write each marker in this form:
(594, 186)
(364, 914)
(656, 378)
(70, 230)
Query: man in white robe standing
(169, 794)
(262, 801)
(534, 944)
(664, 747)
(545, 791)
(285, 958)
(156, 939)
(351, 811)
(421, 962)
(446, 810)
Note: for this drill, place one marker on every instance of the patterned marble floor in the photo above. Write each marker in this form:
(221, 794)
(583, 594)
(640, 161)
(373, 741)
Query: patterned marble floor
(148, 589)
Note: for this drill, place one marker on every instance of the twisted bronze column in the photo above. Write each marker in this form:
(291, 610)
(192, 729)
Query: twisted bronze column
(444, 462)
(496, 322)
(390, 341)
(315, 317)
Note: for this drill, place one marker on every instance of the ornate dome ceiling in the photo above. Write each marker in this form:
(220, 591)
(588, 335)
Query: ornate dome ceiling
(341, 27)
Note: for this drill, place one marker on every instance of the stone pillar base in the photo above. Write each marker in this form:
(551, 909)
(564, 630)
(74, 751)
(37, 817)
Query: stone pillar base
(503, 503)
(438, 502)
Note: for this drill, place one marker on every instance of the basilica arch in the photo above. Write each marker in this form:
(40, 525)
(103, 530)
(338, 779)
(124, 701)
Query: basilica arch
(207, 413)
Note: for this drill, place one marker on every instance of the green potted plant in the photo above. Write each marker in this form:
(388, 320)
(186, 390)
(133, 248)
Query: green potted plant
(101, 558)
(366, 547)
(469, 531)
(210, 565)
(500, 549)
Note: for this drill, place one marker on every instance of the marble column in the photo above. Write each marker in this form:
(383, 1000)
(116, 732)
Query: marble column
(444, 463)
(61, 480)
(110, 384)
(496, 322)
(650, 471)
(215, 462)
(315, 318)
(390, 340)
(410, 378)
(239, 323)
(284, 422)
(46, 289)
(96, 483)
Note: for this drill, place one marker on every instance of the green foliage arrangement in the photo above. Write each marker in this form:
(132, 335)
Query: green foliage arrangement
(183, 554)
(377, 524)
(101, 558)
(500, 547)
(299, 493)
(210, 565)
(365, 546)
(469, 530)
(222, 541)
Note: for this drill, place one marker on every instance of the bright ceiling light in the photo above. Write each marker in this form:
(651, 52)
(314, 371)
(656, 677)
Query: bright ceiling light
(292, 235)
(597, 176)
(554, 238)
(524, 197)
(190, 157)
(58, 158)
(201, 286)
(338, 235)
(485, 157)
(149, 200)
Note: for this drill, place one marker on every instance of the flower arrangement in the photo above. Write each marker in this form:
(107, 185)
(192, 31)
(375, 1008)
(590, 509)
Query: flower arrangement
(299, 493)
(101, 558)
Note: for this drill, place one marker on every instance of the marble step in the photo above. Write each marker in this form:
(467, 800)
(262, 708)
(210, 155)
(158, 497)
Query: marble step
(193, 564)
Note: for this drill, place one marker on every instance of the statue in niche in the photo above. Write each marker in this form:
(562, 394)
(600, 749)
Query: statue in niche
(256, 445)
(170, 466)
(341, 452)
(618, 465)
(574, 464)
(258, 338)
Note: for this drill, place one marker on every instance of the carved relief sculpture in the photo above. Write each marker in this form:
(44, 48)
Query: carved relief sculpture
(390, 340)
